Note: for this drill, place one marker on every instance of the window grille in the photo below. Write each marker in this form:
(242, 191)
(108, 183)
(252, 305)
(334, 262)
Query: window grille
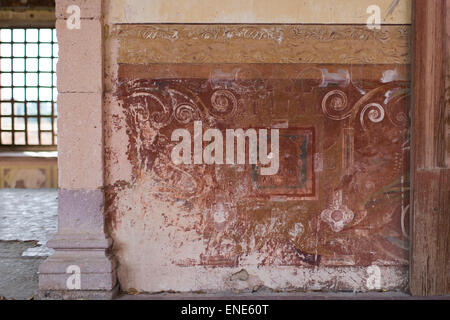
(28, 94)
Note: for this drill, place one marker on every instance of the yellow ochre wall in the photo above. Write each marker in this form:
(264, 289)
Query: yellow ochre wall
(255, 11)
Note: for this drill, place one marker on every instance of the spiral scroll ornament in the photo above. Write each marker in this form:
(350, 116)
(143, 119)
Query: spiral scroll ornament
(224, 104)
(335, 105)
(186, 113)
(376, 114)
(159, 118)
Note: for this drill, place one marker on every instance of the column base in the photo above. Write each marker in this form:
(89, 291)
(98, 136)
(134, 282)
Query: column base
(79, 269)
(78, 294)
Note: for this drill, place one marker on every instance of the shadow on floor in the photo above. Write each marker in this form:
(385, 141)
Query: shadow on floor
(18, 274)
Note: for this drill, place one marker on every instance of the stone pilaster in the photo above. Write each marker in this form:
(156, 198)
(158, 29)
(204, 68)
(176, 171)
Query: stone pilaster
(81, 245)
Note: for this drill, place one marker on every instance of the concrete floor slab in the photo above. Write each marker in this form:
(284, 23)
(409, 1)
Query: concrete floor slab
(18, 274)
(28, 219)
(29, 214)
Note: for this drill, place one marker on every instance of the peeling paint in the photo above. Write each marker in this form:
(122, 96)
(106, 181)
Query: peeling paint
(227, 228)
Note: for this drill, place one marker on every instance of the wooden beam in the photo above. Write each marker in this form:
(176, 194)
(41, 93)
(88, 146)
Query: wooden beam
(430, 173)
(27, 13)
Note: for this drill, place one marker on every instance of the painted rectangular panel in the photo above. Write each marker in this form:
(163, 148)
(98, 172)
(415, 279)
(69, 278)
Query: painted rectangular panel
(333, 210)
(29, 173)
(295, 177)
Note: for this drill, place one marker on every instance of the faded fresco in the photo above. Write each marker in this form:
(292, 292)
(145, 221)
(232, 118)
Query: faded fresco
(28, 174)
(340, 198)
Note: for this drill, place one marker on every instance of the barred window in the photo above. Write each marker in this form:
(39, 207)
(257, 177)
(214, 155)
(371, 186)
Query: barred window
(28, 93)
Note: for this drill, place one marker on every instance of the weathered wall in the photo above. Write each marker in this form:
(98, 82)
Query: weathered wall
(255, 11)
(338, 93)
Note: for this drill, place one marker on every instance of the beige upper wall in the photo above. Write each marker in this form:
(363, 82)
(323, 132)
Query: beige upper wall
(255, 11)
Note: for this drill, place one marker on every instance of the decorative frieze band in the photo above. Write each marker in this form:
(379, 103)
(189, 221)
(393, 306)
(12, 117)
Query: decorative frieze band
(343, 44)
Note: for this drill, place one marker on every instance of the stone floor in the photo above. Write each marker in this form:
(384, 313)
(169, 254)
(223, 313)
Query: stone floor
(281, 296)
(28, 219)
